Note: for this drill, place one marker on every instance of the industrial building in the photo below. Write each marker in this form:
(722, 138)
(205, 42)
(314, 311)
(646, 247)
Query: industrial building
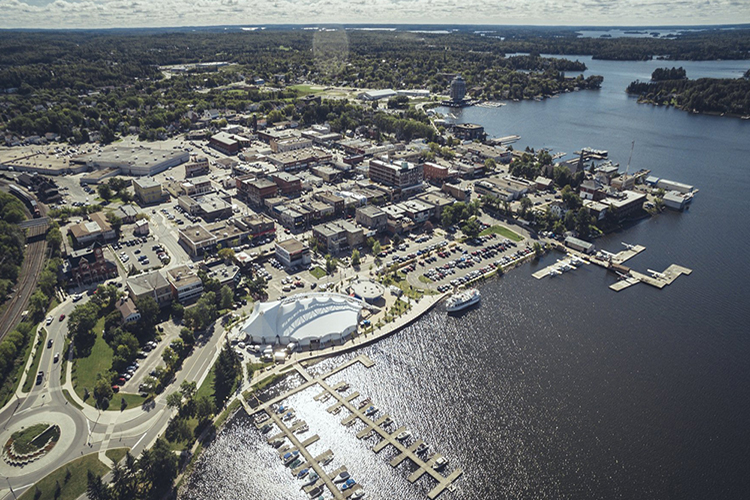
(136, 161)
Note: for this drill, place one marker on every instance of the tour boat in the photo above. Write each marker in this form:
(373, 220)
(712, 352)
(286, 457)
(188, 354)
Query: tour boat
(460, 301)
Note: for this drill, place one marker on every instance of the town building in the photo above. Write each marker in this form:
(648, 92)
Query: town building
(289, 144)
(208, 207)
(376, 95)
(372, 218)
(225, 273)
(148, 191)
(225, 143)
(460, 190)
(152, 285)
(137, 161)
(434, 172)
(289, 185)
(292, 253)
(97, 228)
(437, 201)
(255, 191)
(458, 89)
(186, 285)
(88, 265)
(199, 166)
(337, 202)
(141, 228)
(338, 236)
(127, 213)
(402, 175)
(468, 131)
(625, 203)
(580, 245)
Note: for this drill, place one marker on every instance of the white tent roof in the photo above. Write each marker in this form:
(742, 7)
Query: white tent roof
(304, 319)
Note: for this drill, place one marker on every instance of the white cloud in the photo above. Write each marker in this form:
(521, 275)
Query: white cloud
(140, 13)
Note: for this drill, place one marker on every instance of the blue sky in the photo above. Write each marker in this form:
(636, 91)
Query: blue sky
(158, 13)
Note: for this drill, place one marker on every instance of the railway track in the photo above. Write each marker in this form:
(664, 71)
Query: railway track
(31, 269)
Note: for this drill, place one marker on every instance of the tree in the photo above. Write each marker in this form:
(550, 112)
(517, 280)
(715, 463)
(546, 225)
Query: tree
(170, 358)
(187, 389)
(80, 325)
(376, 248)
(149, 310)
(330, 264)
(227, 297)
(104, 191)
(103, 388)
(226, 371)
(355, 258)
(226, 254)
(204, 407)
(490, 164)
(177, 310)
(538, 250)
(158, 467)
(526, 205)
(174, 400)
(428, 228)
(472, 228)
(96, 489)
(113, 220)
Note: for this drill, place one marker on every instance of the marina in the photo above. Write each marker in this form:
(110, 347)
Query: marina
(296, 456)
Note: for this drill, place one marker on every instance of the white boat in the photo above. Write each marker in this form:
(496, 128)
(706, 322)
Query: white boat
(422, 448)
(404, 435)
(462, 300)
(327, 460)
(440, 463)
(341, 477)
(372, 410)
(358, 494)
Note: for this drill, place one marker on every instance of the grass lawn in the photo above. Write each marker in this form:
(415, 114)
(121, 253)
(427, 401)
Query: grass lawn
(76, 484)
(86, 369)
(9, 386)
(318, 272)
(424, 279)
(306, 89)
(116, 454)
(502, 231)
(131, 400)
(31, 377)
(207, 387)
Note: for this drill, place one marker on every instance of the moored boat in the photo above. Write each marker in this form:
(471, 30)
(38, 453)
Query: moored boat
(422, 448)
(341, 477)
(403, 436)
(461, 300)
(440, 463)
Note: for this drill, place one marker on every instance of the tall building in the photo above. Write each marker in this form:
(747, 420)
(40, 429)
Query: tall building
(458, 89)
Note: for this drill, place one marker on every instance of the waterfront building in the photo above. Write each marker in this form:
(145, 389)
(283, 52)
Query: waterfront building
(458, 89)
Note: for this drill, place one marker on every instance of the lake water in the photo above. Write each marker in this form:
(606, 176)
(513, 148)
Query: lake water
(561, 388)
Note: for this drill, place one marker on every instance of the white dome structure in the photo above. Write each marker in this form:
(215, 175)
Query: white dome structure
(311, 320)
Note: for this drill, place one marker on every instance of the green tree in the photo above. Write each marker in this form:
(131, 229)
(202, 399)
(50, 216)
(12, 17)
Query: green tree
(226, 372)
(227, 297)
(490, 164)
(226, 254)
(376, 248)
(149, 310)
(81, 324)
(113, 220)
(96, 489)
(158, 467)
(104, 191)
(355, 258)
(187, 389)
(103, 388)
(174, 400)
(204, 407)
(471, 228)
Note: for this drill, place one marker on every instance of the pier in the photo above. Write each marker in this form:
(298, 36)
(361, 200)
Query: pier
(616, 263)
(387, 438)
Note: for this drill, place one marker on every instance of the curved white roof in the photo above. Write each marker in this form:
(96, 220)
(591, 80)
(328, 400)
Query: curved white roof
(312, 318)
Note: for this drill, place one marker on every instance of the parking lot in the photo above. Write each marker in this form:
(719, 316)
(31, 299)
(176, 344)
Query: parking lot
(143, 253)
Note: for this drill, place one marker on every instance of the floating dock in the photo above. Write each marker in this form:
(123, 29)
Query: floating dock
(372, 427)
(658, 280)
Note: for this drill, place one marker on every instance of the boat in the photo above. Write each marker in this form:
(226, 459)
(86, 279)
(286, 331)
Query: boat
(348, 484)
(553, 272)
(327, 460)
(277, 442)
(386, 422)
(262, 418)
(288, 416)
(303, 428)
(462, 300)
(364, 403)
(297, 462)
(372, 410)
(336, 411)
(325, 398)
(358, 494)
(440, 463)
(266, 428)
(341, 477)
(343, 387)
(422, 448)
(404, 435)
(315, 492)
(312, 478)
(301, 474)
(281, 409)
(296, 422)
(290, 456)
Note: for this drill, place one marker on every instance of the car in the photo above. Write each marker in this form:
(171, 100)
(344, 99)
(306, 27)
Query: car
(50, 319)
(62, 317)
(49, 343)
(121, 380)
(115, 388)
(39, 377)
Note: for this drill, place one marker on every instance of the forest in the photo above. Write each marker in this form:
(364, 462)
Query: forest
(704, 95)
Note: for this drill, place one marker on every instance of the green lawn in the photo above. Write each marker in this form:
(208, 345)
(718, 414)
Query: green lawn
(502, 231)
(86, 369)
(116, 454)
(9, 386)
(31, 377)
(306, 89)
(131, 401)
(318, 272)
(76, 484)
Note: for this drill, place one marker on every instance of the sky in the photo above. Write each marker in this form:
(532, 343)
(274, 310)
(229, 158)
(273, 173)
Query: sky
(169, 13)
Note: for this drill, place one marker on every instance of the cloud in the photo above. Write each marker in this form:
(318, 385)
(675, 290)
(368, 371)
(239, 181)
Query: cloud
(137, 13)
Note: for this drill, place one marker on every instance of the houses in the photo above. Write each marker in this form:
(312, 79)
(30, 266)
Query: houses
(127, 213)
(128, 310)
(141, 228)
(292, 253)
(506, 188)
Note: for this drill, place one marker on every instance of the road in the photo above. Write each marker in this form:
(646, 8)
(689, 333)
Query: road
(89, 430)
